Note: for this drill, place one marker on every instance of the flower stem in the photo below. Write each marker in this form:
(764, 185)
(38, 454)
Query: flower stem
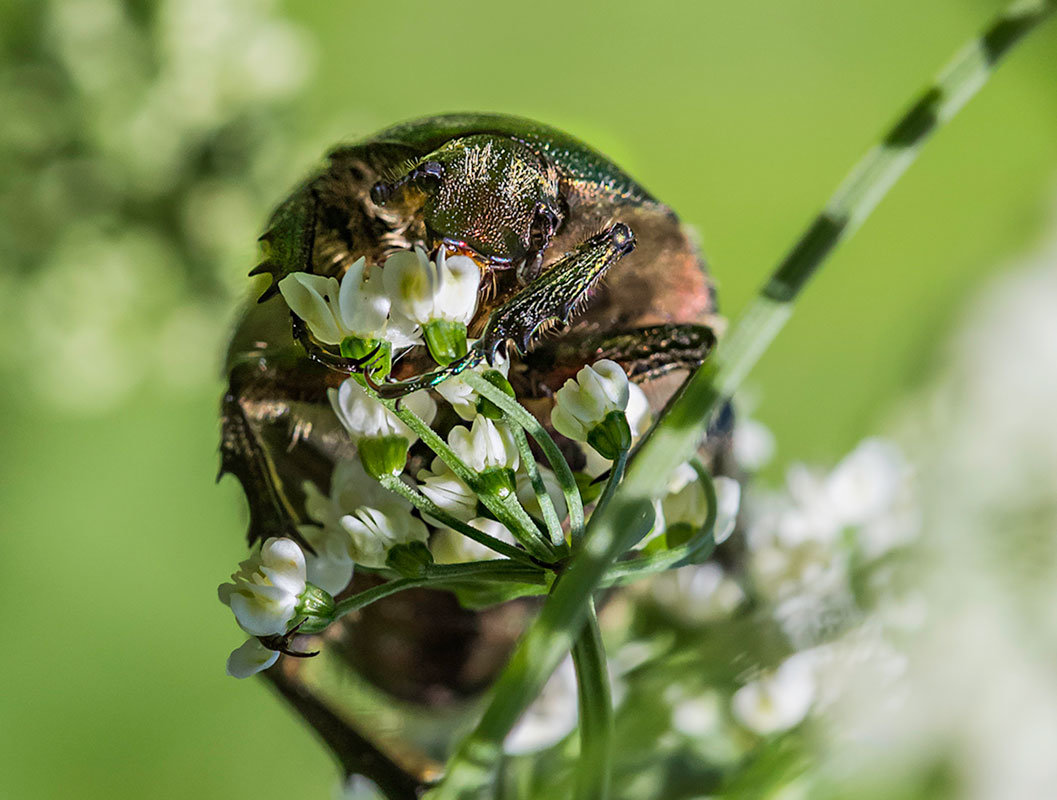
(427, 506)
(473, 571)
(550, 516)
(516, 519)
(628, 515)
(516, 412)
(594, 766)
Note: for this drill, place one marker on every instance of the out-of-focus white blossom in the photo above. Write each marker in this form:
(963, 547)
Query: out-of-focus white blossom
(374, 531)
(551, 717)
(357, 307)
(527, 494)
(250, 658)
(584, 402)
(699, 594)
(448, 492)
(364, 416)
(753, 444)
(264, 592)
(423, 291)
(779, 701)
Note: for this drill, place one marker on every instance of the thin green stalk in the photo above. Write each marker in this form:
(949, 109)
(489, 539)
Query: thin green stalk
(518, 414)
(507, 512)
(627, 517)
(446, 574)
(616, 475)
(595, 765)
(550, 515)
(427, 506)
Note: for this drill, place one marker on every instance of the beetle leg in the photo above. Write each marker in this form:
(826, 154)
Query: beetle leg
(550, 300)
(645, 354)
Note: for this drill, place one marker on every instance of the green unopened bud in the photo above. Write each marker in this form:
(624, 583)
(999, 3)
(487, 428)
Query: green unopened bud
(314, 610)
(497, 482)
(611, 436)
(486, 407)
(359, 349)
(412, 560)
(446, 340)
(383, 456)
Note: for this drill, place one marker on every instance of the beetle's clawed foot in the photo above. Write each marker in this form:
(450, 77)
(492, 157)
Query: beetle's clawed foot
(280, 643)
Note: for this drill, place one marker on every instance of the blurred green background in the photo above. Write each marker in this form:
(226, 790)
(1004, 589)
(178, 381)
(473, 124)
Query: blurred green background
(143, 143)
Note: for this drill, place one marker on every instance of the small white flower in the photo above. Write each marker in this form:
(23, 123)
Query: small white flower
(728, 502)
(249, 659)
(451, 547)
(640, 417)
(356, 307)
(448, 492)
(551, 717)
(461, 396)
(364, 416)
(265, 590)
(779, 701)
(360, 521)
(422, 290)
(583, 403)
(374, 531)
(485, 445)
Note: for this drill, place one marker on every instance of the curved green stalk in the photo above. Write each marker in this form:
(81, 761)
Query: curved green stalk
(518, 414)
(594, 767)
(617, 527)
(550, 515)
(447, 574)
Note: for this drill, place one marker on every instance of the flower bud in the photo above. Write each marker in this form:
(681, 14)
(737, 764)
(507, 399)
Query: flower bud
(383, 456)
(411, 560)
(445, 339)
(314, 610)
(486, 407)
(612, 436)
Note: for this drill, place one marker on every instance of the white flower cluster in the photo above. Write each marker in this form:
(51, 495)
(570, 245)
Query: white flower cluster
(399, 302)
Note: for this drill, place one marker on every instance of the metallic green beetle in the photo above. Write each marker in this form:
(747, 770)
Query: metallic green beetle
(571, 244)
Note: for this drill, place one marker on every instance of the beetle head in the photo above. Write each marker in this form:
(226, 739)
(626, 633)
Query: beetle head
(489, 195)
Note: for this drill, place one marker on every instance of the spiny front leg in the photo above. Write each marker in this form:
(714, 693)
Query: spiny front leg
(557, 295)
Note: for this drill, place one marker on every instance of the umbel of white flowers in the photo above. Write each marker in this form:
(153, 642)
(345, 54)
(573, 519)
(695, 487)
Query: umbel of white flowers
(591, 408)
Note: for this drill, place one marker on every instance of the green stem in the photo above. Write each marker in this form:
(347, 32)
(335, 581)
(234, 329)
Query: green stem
(516, 519)
(447, 574)
(596, 712)
(616, 475)
(516, 412)
(550, 515)
(674, 439)
(427, 506)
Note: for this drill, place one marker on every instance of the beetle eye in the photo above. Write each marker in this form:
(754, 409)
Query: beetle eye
(380, 193)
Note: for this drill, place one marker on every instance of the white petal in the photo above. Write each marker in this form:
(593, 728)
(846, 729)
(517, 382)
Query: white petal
(613, 382)
(457, 298)
(285, 564)
(329, 574)
(412, 283)
(264, 612)
(249, 659)
(314, 298)
(362, 301)
(565, 423)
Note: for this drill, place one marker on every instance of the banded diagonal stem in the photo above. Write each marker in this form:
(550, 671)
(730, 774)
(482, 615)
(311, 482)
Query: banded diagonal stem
(617, 527)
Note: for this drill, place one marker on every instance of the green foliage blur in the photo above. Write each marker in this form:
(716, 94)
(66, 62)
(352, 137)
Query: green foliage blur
(143, 143)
